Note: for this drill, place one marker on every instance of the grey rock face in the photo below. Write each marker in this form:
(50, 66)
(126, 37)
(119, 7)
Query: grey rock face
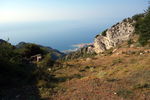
(114, 36)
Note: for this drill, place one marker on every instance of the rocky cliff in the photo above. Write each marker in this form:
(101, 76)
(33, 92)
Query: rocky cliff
(108, 39)
(115, 35)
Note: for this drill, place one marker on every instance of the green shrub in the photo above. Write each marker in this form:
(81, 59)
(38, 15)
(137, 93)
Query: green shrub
(109, 51)
(142, 28)
(141, 86)
(78, 76)
(104, 33)
(137, 17)
(112, 80)
(30, 50)
(17, 72)
(116, 61)
(47, 61)
(124, 93)
(13, 67)
(97, 36)
(130, 41)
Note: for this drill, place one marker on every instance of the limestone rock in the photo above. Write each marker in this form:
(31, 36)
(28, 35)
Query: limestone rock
(114, 36)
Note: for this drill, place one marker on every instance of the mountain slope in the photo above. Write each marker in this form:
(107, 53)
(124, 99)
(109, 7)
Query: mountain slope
(109, 77)
(119, 71)
(55, 54)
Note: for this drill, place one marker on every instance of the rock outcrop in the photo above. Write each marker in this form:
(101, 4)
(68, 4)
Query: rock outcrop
(108, 39)
(80, 53)
(114, 36)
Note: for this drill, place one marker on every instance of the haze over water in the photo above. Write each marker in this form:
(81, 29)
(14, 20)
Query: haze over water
(61, 24)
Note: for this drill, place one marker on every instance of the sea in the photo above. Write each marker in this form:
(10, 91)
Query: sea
(60, 35)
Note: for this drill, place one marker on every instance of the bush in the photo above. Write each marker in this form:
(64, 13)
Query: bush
(142, 28)
(141, 86)
(13, 69)
(130, 41)
(111, 80)
(47, 61)
(104, 33)
(137, 17)
(124, 93)
(109, 52)
(116, 61)
(30, 50)
(17, 72)
(97, 36)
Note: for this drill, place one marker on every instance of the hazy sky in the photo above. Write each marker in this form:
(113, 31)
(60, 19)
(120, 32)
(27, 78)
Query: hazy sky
(48, 10)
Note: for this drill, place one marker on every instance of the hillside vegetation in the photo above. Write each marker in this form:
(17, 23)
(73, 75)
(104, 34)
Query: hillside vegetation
(142, 27)
(21, 77)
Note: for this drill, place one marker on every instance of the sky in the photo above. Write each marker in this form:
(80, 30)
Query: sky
(51, 22)
(50, 10)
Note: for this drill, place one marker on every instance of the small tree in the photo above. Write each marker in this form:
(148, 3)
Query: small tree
(104, 32)
(30, 50)
(47, 61)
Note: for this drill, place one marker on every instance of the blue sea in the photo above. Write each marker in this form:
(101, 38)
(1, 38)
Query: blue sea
(59, 35)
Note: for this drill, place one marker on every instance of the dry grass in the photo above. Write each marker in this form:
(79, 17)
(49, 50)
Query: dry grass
(115, 77)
